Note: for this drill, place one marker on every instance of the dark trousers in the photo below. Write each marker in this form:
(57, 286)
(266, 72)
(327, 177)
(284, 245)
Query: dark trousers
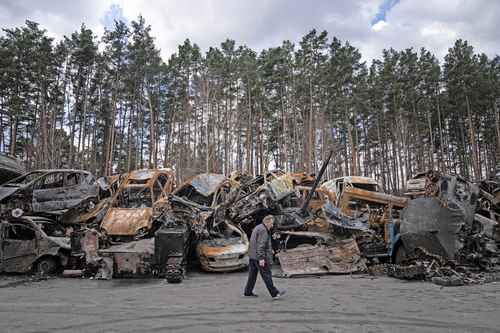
(266, 274)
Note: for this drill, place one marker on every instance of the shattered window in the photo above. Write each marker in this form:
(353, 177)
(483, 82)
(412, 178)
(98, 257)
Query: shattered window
(157, 190)
(163, 180)
(368, 187)
(138, 181)
(20, 232)
(53, 180)
(135, 197)
(73, 179)
(26, 179)
(52, 229)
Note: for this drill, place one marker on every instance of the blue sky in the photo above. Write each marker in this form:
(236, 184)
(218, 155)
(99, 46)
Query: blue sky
(383, 9)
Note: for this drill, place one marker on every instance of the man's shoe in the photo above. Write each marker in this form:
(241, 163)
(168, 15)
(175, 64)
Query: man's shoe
(251, 295)
(280, 294)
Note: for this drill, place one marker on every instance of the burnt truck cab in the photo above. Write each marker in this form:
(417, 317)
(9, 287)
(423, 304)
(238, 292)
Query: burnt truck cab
(32, 243)
(50, 192)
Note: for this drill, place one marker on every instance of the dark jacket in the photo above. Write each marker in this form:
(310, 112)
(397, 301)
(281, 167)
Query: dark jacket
(260, 244)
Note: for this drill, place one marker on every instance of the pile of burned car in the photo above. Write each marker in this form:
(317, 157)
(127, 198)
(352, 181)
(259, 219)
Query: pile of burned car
(143, 223)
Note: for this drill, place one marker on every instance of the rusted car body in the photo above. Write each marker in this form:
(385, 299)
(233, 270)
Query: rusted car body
(130, 259)
(272, 197)
(207, 189)
(358, 202)
(354, 194)
(307, 253)
(202, 200)
(50, 191)
(32, 243)
(225, 250)
(10, 168)
(136, 204)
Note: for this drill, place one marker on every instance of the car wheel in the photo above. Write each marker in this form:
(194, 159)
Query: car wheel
(45, 266)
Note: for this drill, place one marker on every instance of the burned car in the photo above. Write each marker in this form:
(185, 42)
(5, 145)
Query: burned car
(224, 250)
(357, 203)
(202, 200)
(50, 192)
(32, 243)
(138, 201)
(271, 198)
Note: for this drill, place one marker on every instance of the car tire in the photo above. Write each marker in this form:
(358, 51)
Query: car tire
(46, 265)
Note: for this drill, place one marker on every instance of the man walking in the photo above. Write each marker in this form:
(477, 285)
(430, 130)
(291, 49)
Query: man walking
(260, 254)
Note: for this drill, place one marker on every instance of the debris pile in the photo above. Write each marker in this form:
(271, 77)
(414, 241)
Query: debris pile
(447, 232)
(141, 223)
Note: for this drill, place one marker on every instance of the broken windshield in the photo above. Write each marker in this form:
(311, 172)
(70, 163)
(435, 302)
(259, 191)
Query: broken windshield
(26, 179)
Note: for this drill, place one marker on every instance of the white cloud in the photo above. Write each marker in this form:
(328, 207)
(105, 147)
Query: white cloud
(262, 23)
(380, 25)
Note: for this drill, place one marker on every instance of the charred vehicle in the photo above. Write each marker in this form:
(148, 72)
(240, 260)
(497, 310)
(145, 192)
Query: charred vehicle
(10, 167)
(207, 189)
(447, 233)
(137, 203)
(442, 205)
(202, 200)
(225, 249)
(32, 243)
(50, 192)
(276, 196)
(357, 204)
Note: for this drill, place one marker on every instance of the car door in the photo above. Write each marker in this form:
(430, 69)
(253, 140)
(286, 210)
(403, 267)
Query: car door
(19, 247)
(79, 186)
(48, 193)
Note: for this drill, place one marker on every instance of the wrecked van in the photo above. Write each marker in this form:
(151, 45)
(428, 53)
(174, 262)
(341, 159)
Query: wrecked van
(32, 243)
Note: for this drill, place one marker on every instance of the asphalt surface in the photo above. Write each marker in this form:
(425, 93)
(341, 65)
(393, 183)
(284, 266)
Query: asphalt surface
(213, 303)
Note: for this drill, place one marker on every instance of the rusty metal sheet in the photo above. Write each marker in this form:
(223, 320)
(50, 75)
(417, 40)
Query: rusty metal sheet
(351, 193)
(281, 186)
(340, 258)
(126, 221)
(131, 259)
(206, 183)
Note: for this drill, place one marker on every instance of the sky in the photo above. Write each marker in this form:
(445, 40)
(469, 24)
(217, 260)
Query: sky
(369, 25)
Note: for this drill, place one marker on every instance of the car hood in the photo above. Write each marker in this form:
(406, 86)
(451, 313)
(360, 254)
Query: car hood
(126, 221)
(222, 247)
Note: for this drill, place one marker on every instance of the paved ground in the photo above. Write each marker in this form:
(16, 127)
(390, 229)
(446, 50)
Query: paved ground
(212, 303)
